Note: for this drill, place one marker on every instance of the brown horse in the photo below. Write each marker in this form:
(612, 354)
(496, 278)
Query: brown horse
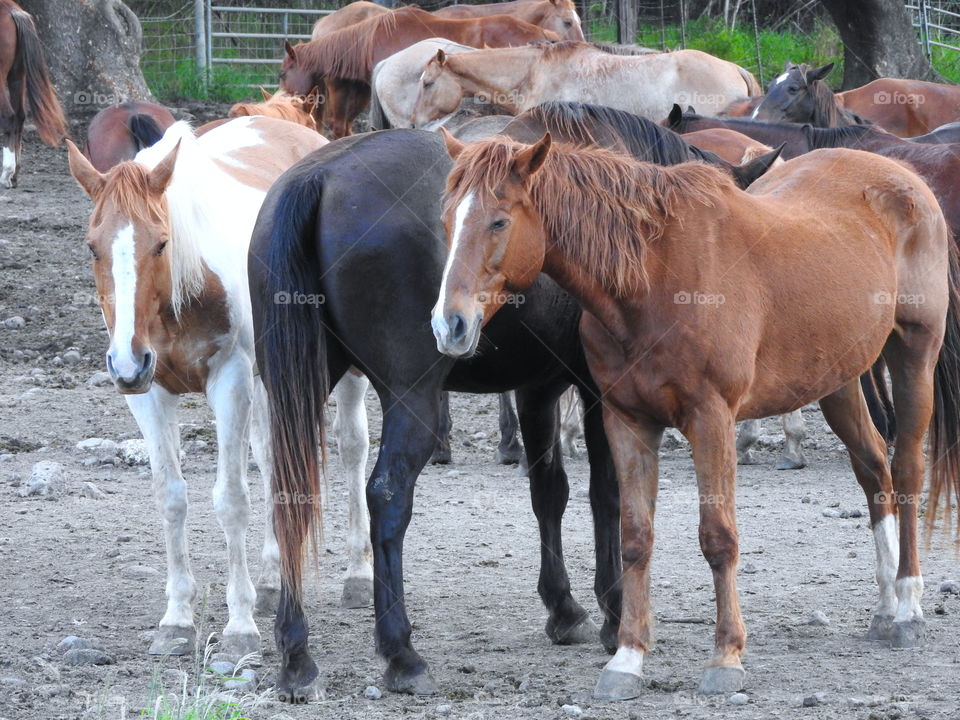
(904, 107)
(635, 244)
(25, 89)
(342, 62)
(116, 134)
(557, 15)
(348, 15)
(732, 146)
(297, 109)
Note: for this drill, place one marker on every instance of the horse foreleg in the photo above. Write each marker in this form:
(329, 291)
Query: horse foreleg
(441, 450)
(268, 582)
(156, 415)
(10, 152)
(509, 451)
(353, 442)
(794, 433)
(230, 393)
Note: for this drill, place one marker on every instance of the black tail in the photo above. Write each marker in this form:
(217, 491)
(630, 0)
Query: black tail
(42, 103)
(378, 118)
(875, 392)
(145, 130)
(945, 425)
(294, 370)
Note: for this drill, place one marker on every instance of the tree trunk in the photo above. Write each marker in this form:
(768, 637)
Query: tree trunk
(626, 22)
(93, 51)
(879, 41)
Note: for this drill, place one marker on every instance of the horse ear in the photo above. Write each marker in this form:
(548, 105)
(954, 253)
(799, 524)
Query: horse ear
(290, 50)
(751, 170)
(441, 57)
(787, 64)
(675, 117)
(819, 73)
(530, 160)
(160, 176)
(83, 171)
(266, 95)
(454, 146)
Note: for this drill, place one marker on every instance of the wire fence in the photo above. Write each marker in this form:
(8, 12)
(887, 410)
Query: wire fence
(938, 28)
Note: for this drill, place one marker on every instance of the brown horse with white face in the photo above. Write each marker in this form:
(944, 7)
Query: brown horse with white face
(25, 88)
(694, 294)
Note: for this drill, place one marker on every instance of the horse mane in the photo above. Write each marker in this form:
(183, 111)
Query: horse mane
(284, 110)
(600, 208)
(350, 52)
(821, 137)
(827, 111)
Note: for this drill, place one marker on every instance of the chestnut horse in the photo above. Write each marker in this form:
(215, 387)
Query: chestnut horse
(168, 235)
(119, 132)
(25, 89)
(348, 15)
(298, 109)
(627, 238)
(342, 63)
(517, 79)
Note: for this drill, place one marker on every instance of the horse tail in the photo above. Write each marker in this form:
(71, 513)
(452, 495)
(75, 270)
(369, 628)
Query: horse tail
(378, 118)
(880, 405)
(945, 424)
(295, 373)
(145, 130)
(753, 87)
(42, 102)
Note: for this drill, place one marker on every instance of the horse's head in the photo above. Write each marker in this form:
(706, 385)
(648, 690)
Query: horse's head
(561, 17)
(497, 239)
(127, 236)
(295, 78)
(792, 96)
(439, 92)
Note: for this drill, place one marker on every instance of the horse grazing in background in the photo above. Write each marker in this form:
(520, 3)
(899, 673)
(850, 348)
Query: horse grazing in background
(800, 95)
(168, 235)
(517, 79)
(119, 132)
(310, 239)
(769, 272)
(25, 89)
(301, 110)
(342, 62)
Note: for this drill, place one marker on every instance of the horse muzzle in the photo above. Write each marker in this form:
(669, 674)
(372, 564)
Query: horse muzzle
(132, 375)
(456, 335)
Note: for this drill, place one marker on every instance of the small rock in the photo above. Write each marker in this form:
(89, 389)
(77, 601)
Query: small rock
(124, 538)
(46, 479)
(441, 709)
(748, 568)
(852, 554)
(372, 692)
(72, 642)
(238, 685)
(192, 446)
(814, 700)
(467, 669)
(819, 618)
(12, 681)
(805, 499)
(571, 710)
(134, 452)
(72, 357)
(98, 445)
(950, 588)
(140, 571)
(738, 699)
(92, 491)
(100, 379)
(87, 656)
(14, 323)
(222, 667)
(830, 512)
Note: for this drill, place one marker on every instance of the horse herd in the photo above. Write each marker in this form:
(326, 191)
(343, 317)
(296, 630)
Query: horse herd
(673, 280)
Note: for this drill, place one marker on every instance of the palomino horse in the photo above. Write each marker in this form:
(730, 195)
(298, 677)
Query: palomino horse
(626, 238)
(25, 89)
(800, 95)
(119, 132)
(342, 63)
(294, 108)
(517, 79)
(168, 235)
(310, 238)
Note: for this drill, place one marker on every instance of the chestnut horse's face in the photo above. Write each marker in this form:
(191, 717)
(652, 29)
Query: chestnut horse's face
(439, 93)
(790, 97)
(294, 78)
(497, 247)
(127, 237)
(562, 19)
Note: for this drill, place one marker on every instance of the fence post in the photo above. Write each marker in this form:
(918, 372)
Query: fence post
(626, 22)
(200, 38)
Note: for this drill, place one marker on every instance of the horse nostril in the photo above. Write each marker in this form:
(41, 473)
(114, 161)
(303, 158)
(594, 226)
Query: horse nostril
(147, 361)
(458, 327)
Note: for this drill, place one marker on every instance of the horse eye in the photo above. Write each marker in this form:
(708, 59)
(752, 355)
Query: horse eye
(793, 88)
(283, 75)
(568, 23)
(428, 84)
(499, 224)
(161, 247)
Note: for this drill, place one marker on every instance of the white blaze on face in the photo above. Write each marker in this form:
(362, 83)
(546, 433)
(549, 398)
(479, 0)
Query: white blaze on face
(782, 78)
(124, 304)
(440, 328)
(8, 168)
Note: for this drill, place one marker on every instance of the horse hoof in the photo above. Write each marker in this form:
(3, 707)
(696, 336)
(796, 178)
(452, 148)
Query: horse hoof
(357, 593)
(721, 680)
(409, 675)
(299, 680)
(509, 455)
(791, 463)
(301, 695)
(881, 628)
(172, 640)
(239, 646)
(748, 458)
(580, 632)
(907, 634)
(268, 598)
(441, 456)
(616, 685)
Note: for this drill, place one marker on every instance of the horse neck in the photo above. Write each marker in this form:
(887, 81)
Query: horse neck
(478, 75)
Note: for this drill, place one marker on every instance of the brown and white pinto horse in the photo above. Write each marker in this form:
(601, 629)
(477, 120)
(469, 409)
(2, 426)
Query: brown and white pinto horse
(169, 234)
(632, 242)
(342, 63)
(25, 89)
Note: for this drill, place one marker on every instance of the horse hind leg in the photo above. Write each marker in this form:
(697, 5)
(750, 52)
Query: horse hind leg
(353, 442)
(794, 433)
(848, 416)
(747, 438)
(268, 581)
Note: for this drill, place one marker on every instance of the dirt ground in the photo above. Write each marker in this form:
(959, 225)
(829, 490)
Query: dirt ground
(471, 552)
